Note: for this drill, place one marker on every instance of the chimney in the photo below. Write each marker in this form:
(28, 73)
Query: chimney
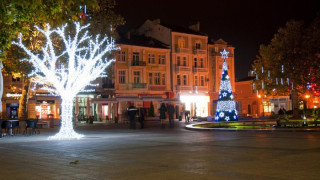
(156, 21)
(195, 27)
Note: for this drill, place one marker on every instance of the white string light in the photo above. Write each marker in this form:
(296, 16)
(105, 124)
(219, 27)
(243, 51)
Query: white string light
(84, 64)
(226, 108)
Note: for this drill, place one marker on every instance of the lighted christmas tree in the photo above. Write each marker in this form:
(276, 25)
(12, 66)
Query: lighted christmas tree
(226, 107)
(68, 72)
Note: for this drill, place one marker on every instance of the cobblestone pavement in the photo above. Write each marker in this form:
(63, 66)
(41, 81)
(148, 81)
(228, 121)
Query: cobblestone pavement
(116, 152)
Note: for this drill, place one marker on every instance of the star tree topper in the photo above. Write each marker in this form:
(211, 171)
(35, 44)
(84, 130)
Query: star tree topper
(224, 54)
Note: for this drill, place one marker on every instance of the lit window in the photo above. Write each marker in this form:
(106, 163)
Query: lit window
(181, 43)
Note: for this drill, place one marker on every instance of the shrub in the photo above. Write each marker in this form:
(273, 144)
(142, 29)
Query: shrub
(151, 110)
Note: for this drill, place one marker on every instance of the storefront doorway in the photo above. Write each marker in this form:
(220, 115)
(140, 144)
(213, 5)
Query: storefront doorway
(12, 110)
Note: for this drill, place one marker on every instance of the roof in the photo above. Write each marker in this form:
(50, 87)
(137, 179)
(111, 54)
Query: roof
(142, 41)
(219, 41)
(182, 29)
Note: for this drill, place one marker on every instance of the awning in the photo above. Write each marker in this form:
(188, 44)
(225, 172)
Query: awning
(103, 100)
(176, 101)
(127, 98)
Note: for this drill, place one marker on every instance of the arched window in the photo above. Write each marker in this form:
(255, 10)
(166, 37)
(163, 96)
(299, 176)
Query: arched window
(181, 43)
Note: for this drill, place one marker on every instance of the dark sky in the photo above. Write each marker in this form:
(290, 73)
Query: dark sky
(242, 23)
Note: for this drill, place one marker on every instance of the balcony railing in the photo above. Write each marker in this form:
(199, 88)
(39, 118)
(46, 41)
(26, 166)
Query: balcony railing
(184, 88)
(130, 86)
(200, 88)
(157, 87)
(198, 51)
(139, 85)
(182, 68)
(181, 50)
(199, 69)
(138, 63)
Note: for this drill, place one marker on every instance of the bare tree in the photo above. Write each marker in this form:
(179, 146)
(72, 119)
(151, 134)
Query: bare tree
(71, 70)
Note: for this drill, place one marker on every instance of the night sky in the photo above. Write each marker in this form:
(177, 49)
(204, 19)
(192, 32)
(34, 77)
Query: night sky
(243, 24)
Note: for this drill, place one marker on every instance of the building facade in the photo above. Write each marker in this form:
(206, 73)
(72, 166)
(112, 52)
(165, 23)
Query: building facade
(40, 103)
(195, 64)
(157, 63)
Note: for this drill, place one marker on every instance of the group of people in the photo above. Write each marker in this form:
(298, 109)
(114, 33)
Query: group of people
(163, 110)
(132, 113)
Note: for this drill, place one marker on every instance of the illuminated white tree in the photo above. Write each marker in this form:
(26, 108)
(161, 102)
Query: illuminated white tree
(226, 107)
(71, 70)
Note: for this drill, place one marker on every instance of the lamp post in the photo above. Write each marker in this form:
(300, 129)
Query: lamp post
(307, 96)
(261, 97)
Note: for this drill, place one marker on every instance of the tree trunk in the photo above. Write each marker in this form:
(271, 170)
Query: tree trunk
(295, 103)
(66, 130)
(23, 105)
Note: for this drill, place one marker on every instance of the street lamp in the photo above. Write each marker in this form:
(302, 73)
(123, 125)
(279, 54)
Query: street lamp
(307, 96)
(259, 96)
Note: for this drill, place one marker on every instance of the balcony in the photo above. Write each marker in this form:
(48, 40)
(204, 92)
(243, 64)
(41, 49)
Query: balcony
(138, 63)
(157, 87)
(183, 68)
(131, 86)
(184, 88)
(199, 69)
(138, 85)
(198, 51)
(181, 50)
(200, 88)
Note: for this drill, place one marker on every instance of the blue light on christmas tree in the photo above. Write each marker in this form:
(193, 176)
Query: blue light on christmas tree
(226, 107)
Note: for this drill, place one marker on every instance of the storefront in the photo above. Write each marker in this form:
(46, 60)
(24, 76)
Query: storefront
(12, 110)
(275, 104)
(46, 109)
(198, 105)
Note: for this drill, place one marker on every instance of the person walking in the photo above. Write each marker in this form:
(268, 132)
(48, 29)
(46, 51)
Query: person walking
(141, 118)
(171, 112)
(163, 111)
(187, 116)
(132, 111)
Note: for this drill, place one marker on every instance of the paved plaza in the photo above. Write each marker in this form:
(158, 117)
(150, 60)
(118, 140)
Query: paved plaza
(116, 152)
